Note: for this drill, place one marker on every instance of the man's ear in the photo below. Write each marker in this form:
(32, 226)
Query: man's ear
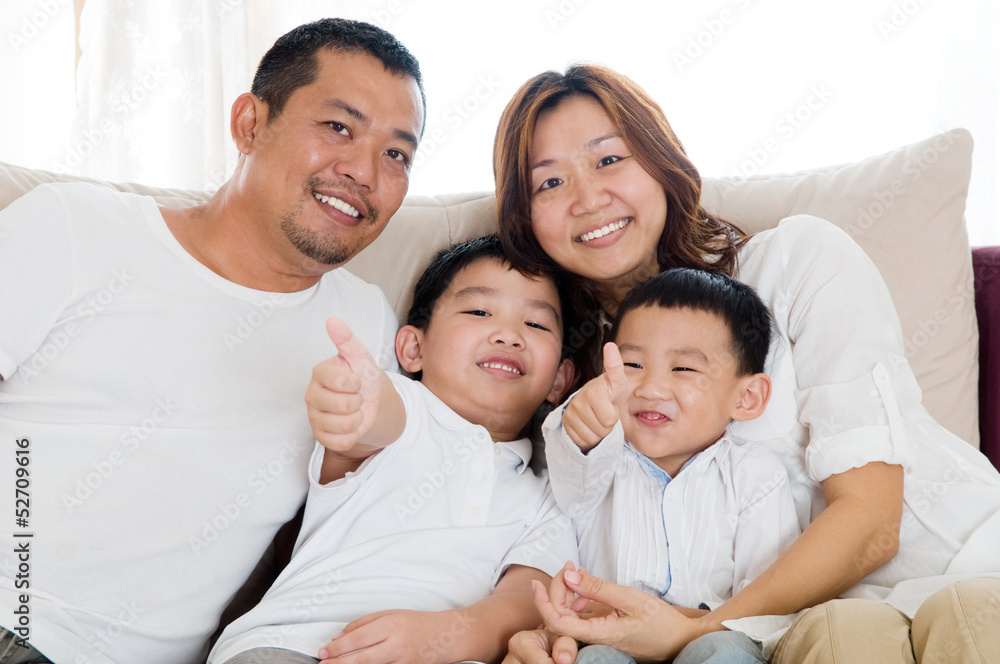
(564, 378)
(409, 351)
(248, 114)
(756, 390)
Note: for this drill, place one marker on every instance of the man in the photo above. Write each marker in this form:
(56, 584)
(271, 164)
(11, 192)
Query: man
(154, 361)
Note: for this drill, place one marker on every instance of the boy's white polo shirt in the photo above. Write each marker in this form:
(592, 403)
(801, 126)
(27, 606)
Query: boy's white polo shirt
(429, 523)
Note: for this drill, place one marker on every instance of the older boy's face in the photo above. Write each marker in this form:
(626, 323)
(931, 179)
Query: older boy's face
(491, 351)
(682, 379)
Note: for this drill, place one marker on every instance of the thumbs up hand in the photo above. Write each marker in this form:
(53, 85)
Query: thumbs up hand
(597, 407)
(345, 392)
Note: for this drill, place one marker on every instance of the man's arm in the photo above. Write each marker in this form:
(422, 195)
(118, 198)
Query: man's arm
(478, 632)
(354, 409)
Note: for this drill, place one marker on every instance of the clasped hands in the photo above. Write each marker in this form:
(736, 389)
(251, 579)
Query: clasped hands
(580, 607)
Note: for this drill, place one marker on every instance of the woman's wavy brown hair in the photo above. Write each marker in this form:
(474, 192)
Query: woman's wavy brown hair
(691, 237)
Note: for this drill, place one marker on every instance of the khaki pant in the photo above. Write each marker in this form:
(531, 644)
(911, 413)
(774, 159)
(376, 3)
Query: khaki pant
(958, 624)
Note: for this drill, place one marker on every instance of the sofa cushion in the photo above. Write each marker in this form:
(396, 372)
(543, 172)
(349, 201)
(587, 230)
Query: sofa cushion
(905, 208)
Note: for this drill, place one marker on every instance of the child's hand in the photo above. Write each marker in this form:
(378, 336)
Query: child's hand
(344, 393)
(597, 407)
(397, 636)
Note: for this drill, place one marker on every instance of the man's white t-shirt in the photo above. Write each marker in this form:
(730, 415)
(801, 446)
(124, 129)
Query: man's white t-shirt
(162, 409)
(430, 523)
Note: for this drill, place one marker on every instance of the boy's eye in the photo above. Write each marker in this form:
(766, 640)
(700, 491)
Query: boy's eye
(537, 326)
(632, 365)
(476, 312)
(684, 369)
(610, 159)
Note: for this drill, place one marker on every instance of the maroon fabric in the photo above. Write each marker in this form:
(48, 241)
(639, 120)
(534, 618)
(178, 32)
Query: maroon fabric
(986, 265)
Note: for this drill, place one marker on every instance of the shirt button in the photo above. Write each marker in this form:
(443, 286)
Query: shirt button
(476, 511)
(496, 451)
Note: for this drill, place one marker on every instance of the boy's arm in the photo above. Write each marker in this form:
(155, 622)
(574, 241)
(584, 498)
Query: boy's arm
(477, 632)
(354, 410)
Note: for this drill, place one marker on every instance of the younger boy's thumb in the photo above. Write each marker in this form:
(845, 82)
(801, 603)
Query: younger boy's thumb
(614, 373)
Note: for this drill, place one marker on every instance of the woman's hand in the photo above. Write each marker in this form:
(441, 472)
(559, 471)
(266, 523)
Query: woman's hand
(639, 624)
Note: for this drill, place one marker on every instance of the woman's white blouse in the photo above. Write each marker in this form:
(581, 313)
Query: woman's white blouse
(844, 395)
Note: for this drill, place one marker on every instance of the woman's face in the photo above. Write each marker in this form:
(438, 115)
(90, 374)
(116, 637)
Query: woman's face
(594, 210)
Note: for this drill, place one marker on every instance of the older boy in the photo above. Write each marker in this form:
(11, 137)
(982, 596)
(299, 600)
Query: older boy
(425, 551)
(664, 498)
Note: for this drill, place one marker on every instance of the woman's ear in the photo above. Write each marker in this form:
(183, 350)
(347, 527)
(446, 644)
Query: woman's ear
(409, 341)
(756, 391)
(247, 113)
(564, 378)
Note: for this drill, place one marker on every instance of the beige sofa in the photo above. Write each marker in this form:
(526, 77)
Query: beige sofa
(905, 208)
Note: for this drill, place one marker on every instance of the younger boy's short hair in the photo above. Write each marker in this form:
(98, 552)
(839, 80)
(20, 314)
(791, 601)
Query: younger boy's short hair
(745, 314)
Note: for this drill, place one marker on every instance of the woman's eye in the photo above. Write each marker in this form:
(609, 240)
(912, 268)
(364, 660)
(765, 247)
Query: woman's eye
(608, 160)
(339, 128)
(548, 184)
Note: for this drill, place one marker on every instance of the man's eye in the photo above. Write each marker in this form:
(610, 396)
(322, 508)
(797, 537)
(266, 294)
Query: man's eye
(399, 155)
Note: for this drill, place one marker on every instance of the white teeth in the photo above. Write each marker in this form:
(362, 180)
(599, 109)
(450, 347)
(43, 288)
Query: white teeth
(604, 230)
(498, 365)
(337, 203)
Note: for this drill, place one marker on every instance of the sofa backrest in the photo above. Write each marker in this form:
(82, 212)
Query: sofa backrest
(905, 208)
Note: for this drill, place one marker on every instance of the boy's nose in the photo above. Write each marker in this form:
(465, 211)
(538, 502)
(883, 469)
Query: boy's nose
(507, 336)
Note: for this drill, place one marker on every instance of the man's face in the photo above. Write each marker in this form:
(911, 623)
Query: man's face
(335, 163)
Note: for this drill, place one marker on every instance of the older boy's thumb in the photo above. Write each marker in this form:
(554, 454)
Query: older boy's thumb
(351, 349)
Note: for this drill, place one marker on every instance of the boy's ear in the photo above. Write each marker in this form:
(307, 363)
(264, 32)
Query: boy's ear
(756, 390)
(564, 378)
(409, 351)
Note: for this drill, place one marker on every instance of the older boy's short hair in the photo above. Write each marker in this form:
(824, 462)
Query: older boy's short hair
(438, 275)
(745, 314)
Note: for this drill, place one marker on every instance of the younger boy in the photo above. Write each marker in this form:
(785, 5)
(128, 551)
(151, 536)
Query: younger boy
(663, 497)
(425, 551)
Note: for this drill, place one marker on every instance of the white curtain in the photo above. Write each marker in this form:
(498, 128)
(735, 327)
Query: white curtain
(154, 84)
(824, 82)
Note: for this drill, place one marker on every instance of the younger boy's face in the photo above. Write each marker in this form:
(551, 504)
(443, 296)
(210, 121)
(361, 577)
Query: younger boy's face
(682, 380)
(491, 350)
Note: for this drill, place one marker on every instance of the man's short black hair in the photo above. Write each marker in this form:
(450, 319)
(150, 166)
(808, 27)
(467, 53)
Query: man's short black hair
(745, 314)
(291, 63)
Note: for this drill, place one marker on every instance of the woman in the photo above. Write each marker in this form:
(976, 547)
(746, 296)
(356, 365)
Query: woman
(591, 179)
